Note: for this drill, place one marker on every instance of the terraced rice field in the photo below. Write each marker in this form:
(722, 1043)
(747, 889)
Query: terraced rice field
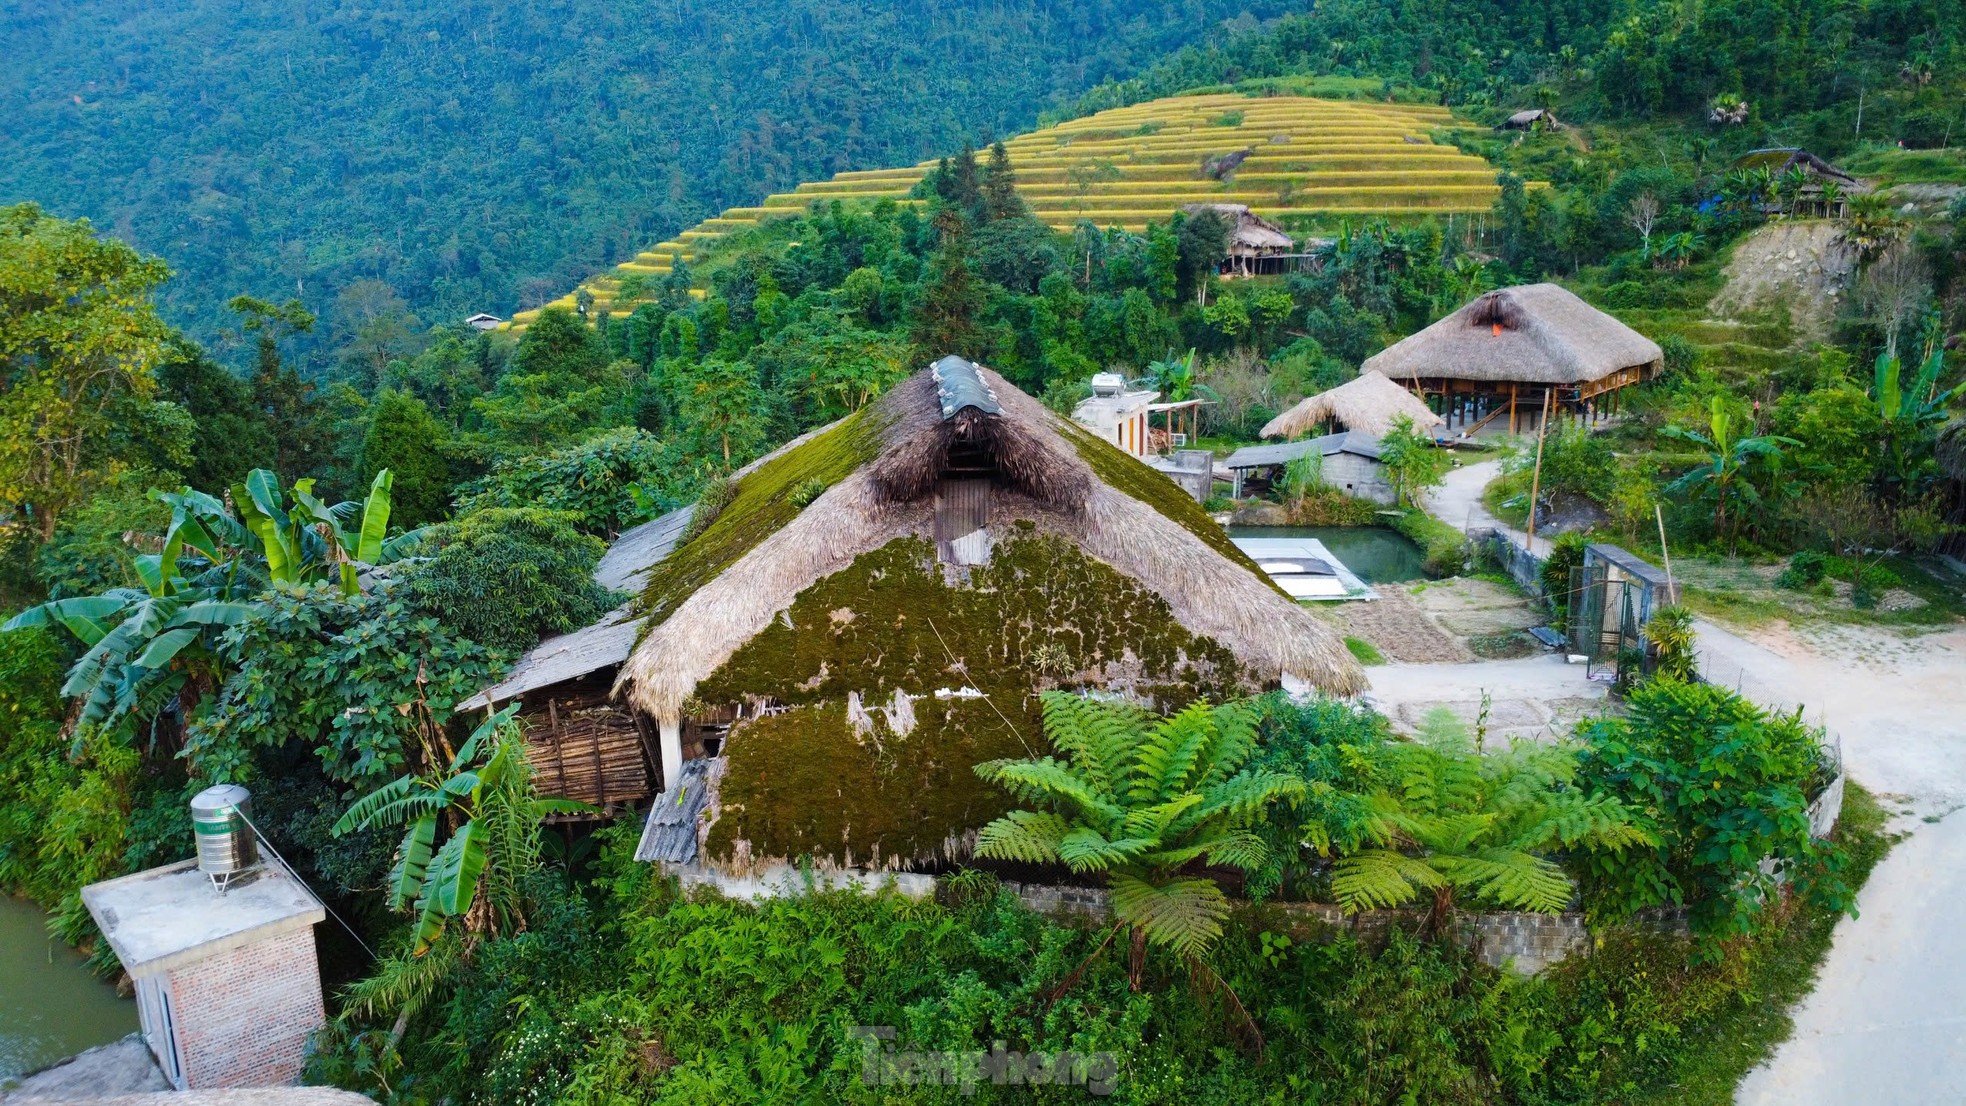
(1309, 159)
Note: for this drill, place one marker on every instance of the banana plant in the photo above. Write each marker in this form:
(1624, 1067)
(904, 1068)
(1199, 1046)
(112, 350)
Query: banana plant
(303, 542)
(1912, 416)
(485, 794)
(1724, 474)
(147, 646)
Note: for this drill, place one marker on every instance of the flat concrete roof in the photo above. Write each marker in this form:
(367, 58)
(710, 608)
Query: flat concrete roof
(168, 917)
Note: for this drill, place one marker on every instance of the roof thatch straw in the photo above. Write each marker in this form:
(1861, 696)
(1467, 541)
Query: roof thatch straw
(1530, 334)
(1368, 403)
(1247, 230)
(1045, 480)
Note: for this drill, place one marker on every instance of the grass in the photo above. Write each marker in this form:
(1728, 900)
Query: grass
(1325, 148)
(1781, 973)
(1364, 651)
(1891, 165)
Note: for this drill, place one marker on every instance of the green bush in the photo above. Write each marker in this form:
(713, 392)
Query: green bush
(1444, 549)
(506, 577)
(1805, 570)
(1725, 786)
(1566, 556)
(610, 481)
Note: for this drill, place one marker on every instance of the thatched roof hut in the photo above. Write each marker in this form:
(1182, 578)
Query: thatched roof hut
(881, 602)
(1368, 403)
(1529, 119)
(1252, 239)
(1529, 334)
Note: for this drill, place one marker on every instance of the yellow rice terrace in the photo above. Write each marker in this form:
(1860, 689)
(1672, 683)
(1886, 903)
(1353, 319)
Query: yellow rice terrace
(1290, 159)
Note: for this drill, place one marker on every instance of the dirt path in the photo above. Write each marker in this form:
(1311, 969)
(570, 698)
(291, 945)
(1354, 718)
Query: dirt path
(1886, 1023)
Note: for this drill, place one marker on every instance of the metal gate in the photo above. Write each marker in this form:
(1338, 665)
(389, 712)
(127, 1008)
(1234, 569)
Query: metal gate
(1605, 623)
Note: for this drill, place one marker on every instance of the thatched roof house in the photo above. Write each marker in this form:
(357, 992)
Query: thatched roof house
(1530, 119)
(1520, 343)
(1818, 176)
(1252, 238)
(880, 602)
(1368, 403)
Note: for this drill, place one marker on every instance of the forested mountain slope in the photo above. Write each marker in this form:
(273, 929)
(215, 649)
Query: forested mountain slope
(477, 155)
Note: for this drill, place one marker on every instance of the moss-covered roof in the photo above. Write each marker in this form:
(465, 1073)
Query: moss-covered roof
(880, 469)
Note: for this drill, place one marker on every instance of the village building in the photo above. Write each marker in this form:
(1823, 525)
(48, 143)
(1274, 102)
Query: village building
(1508, 355)
(484, 321)
(860, 649)
(1826, 190)
(1257, 247)
(1368, 403)
(1348, 461)
(1530, 119)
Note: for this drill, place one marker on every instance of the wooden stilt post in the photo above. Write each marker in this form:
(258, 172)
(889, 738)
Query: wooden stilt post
(1512, 427)
(1536, 479)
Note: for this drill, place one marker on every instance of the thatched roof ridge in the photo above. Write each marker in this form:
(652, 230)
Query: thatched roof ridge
(1531, 334)
(1368, 403)
(890, 497)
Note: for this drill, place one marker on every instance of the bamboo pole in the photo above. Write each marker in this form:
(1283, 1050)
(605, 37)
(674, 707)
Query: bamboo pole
(1672, 589)
(1536, 480)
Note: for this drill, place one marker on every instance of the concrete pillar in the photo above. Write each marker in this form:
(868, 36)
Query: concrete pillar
(671, 741)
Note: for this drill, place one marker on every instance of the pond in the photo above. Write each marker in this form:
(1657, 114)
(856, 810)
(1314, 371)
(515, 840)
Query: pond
(1375, 554)
(50, 1006)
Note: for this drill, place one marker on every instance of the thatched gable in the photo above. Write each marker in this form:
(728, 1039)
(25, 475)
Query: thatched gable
(882, 469)
(1368, 403)
(1529, 334)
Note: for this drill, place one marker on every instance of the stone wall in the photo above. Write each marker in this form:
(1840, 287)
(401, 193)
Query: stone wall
(244, 1016)
(1527, 942)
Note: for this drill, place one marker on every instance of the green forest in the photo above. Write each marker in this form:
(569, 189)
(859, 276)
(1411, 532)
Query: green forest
(270, 510)
(443, 159)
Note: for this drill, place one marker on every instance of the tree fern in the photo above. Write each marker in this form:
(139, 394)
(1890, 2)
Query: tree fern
(1141, 799)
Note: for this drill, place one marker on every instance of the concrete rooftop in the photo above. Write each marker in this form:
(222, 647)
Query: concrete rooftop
(172, 916)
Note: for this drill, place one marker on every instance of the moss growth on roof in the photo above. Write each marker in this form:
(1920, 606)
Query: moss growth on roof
(764, 501)
(1128, 475)
(1040, 614)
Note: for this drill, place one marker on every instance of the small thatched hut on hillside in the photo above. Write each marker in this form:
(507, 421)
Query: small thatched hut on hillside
(861, 648)
(1826, 190)
(1256, 246)
(1368, 403)
(1530, 119)
(1516, 349)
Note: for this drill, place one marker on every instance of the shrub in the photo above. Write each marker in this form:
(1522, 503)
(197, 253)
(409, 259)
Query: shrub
(506, 577)
(805, 491)
(1444, 550)
(1670, 630)
(1805, 570)
(610, 481)
(1725, 788)
(717, 495)
(1566, 556)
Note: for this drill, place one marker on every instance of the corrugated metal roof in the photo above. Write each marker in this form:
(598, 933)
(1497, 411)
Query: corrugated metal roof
(670, 834)
(958, 385)
(1258, 456)
(639, 549)
(567, 657)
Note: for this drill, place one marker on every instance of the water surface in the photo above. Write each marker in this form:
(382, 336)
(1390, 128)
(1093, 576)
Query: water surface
(50, 1006)
(1376, 554)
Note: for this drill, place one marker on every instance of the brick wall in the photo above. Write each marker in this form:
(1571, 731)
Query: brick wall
(243, 1016)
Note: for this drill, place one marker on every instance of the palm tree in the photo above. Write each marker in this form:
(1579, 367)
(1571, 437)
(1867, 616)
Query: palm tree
(1480, 824)
(1722, 474)
(1142, 800)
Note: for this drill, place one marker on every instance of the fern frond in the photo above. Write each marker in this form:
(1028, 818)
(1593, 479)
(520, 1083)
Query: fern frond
(1180, 914)
(1086, 850)
(1380, 878)
(1241, 850)
(1508, 877)
(1023, 835)
(1050, 781)
(1169, 753)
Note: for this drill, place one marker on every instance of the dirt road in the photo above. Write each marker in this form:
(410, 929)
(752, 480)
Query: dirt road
(1886, 1024)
